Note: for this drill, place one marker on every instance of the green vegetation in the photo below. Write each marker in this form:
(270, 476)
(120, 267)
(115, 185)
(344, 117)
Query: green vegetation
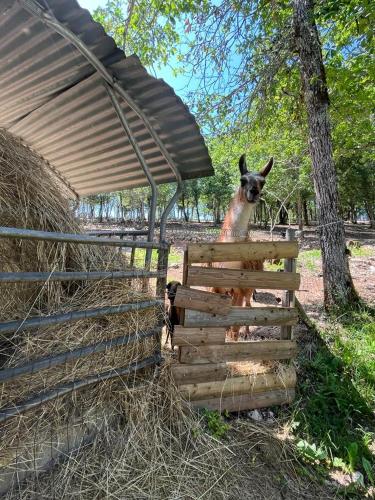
(362, 252)
(310, 259)
(175, 257)
(271, 266)
(333, 417)
(215, 423)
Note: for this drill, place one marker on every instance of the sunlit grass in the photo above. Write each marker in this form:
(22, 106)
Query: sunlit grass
(175, 257)
(333, 418)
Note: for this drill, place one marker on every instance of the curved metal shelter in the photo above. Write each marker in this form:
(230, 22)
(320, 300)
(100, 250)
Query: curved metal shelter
(53, 97)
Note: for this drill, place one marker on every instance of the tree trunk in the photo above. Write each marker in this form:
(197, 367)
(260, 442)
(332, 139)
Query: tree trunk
(299, 212)
(305, 212)
(197, 209)
(371, 214)
(283, 216)
(101, 209)
(338, 284)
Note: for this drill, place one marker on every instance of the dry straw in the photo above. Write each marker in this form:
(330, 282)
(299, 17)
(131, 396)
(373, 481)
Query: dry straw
(30, 197)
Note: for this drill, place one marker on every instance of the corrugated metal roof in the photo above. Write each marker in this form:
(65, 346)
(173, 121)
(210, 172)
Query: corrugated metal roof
(54, 100)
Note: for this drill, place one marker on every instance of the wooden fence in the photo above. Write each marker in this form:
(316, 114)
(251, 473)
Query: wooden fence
(218, 374)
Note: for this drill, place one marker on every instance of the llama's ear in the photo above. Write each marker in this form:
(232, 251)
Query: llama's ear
(242, 165)
(267, 168)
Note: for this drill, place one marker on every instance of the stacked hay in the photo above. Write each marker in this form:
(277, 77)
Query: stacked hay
(30, 197)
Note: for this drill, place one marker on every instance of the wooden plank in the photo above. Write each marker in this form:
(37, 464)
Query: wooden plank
(198, 336)
(247, 401)
(241, 251)
(239, 351)
(241, 278)
(194, 374)
(290, 266)
(199, 300)
(184, 278)
(187, 373)
(241, 316)
(250, 384)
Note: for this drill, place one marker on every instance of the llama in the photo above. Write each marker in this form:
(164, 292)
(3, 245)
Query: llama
(235, 228)
(174, 313)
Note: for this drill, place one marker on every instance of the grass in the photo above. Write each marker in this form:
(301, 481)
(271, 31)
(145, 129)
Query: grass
(333, 419)
(174, 258)
(311, 259)
(362, 252)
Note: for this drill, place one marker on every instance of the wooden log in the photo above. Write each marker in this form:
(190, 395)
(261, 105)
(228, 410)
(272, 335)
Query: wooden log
(251, 384)
(242, 251)
(192, 374)
(241, 316)
(290, 266)
(241, 278)
(199, 300)
(239, 351)
(198, 336)
(247, 401)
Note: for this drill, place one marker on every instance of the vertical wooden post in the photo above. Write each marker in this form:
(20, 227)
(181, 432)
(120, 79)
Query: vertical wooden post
(288, 295)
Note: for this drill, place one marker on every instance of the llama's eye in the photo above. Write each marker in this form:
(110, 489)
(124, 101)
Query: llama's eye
(243, 182)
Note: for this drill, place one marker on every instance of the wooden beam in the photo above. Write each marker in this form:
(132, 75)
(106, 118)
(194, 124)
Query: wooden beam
(194, 374)
(198, 336)
(199, 300)
(250, 384)
(247, 401)
(290, 266)
(241, 316)
(241, 278)
(239, 351)
(242, 251)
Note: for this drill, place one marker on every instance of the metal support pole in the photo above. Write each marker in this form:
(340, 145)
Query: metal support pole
(32, 234)
(168, 208)
(138, 152)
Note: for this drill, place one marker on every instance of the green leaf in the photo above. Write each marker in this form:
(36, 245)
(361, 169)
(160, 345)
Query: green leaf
(368, 469)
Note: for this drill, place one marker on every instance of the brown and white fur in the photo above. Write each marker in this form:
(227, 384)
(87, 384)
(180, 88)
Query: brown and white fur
(235, 228)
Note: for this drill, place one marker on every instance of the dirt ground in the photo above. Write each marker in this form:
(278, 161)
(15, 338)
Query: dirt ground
(362, 262)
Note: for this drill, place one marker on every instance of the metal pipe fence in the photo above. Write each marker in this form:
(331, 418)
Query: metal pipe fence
(64, 389)
(7, 328)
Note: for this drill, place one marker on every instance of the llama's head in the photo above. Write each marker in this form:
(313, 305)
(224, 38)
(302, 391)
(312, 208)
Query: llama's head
(252, 182)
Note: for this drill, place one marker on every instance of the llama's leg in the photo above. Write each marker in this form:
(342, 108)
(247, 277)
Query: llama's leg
(248, 304)
(237, 300)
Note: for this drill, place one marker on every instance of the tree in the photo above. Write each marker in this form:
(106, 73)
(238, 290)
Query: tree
(338, 284)
(264, 39)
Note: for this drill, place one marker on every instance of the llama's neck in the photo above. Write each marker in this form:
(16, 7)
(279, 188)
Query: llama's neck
(236, 221)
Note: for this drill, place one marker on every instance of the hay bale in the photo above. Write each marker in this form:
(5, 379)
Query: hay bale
(31, 197)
